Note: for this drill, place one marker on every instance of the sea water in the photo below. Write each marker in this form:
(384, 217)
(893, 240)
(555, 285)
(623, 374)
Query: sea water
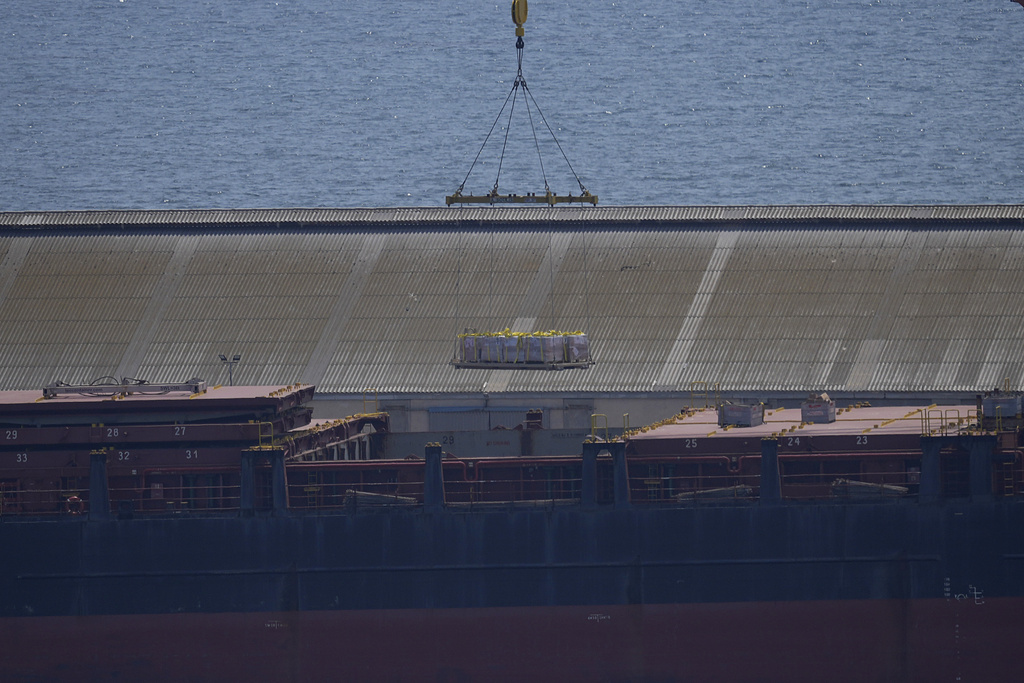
(125, 104)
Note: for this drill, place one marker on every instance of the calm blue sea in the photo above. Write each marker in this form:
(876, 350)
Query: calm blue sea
(115, 104)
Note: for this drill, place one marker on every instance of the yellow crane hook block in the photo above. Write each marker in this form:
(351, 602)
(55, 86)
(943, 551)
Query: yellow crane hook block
(519, 10)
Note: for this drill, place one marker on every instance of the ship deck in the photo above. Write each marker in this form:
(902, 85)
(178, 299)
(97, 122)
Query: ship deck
(862, 428)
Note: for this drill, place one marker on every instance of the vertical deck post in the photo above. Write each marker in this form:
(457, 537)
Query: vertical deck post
(278, 481)
(931, 474)
(771, 481)
(99, 489)
(618, 451)
(588, 483)
(433, 482)
(981, 449)
(247, 496)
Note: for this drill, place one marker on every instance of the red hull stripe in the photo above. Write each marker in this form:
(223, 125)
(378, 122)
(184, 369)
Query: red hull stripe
(970, 638)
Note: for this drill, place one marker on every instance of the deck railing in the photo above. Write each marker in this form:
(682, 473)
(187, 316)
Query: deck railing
(612, 478)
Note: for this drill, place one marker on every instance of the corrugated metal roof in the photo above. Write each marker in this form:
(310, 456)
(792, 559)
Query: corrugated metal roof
(435, 216)
(937, 306)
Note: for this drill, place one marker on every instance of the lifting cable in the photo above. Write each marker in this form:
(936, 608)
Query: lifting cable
(586, 279)
(519, 16)
(458, 286)
(570, 349)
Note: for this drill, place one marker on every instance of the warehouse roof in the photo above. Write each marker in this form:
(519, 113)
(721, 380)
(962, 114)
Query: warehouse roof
(799, 298)
(439, 216)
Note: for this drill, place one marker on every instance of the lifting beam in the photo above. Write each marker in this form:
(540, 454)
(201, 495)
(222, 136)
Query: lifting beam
(530, 198)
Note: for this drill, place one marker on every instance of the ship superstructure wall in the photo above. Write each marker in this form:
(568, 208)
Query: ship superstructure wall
(785, 300)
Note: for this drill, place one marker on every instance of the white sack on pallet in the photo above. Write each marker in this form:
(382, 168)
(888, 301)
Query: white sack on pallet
(513, 352)
(467, 349)
(552, 349)
(489, 349)
(577, 348)
(532, 350)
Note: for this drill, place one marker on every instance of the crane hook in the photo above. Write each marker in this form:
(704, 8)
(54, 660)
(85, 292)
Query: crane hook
(519, 10)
